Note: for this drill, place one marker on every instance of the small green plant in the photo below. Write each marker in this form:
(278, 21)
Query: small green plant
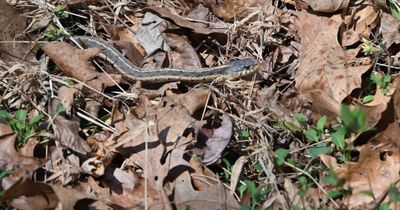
(59, 11)
(331, 179)
(353, 120)
(394, 197)
(281, 155)
(20, 123)
(394, 8)
(53, 32)
(304, 185)
(384, 82)
(369, 48)
(256, 194)
(3, 174)
(228, 168)
(244, 134)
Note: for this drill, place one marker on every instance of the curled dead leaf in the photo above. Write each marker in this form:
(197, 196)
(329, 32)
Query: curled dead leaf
(217, 142)
(67, 132)
(93, 166)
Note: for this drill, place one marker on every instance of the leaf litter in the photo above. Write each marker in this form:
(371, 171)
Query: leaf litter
(315, 128)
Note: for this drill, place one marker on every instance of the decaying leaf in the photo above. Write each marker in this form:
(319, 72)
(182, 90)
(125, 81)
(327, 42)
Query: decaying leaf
(150, 32)
(374, 172)
(390, 27)
(217, 142)
(229, 9)
(366, 19)
(327, 73)
(215, 197)
(14, 25)
(68, 133)
(27, 194)
(184, 22)
(74, 62)
(327, 5)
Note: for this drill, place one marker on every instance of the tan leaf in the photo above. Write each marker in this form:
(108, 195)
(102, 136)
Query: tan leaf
(228, 9)
(215, 197)
(375, 108)
(130, 45)
(217, 142)
(66, 95)
(74, 62)
(374, 172)
(43, 194)
(237, 171)
(68, 133)
(9, 156)
(11, 159)
(327, 5)
(14, 25)
(93, 166)
(366, 19)
(390, 27)
(29, 147)
(183, 55)
(197, 27)
(325, 74)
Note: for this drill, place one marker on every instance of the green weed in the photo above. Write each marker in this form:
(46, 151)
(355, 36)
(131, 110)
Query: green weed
(20, 123)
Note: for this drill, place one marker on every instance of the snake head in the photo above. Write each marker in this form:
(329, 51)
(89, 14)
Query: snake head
(238, 65)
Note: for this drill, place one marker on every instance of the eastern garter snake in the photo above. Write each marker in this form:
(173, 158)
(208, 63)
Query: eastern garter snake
(230, 70)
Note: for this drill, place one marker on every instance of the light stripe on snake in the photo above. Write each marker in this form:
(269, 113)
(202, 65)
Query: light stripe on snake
(230, 70)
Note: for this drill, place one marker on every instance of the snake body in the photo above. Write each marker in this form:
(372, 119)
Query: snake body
(230, 70)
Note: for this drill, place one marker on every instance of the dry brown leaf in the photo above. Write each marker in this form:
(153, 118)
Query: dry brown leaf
(366, 19)
(237, 171)
(326, 73)
(130, 46)
(69, 196)
(197, 27)
(74, 62)
(389, 29)
(41, 195)
(375, 108)
(93, 166)
(350, 37)
(66, 95)
(194, 100)
(374, 172)
(183, 55)
(215, 197)
(28, 149)
(9, 157)
(127, 190)
(67, 132)
(228, 9)
(13, 25)
(327, 5)
(203, 176)
(217, 142)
